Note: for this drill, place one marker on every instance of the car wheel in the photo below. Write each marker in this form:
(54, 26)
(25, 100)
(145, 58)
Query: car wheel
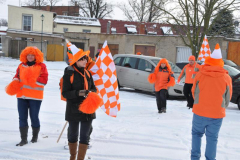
(238, 103)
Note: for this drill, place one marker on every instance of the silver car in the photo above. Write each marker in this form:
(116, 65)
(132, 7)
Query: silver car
(133, 71)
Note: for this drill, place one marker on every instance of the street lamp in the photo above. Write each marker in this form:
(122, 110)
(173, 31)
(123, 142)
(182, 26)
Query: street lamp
(42, 16)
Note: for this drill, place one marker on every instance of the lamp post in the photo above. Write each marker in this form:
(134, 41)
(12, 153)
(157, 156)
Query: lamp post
(42, 16)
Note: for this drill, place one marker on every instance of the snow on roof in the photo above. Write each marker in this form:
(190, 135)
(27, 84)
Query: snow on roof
(113, 29)
(3, 28)
(167, 30)
(77, 20)
(132, 26)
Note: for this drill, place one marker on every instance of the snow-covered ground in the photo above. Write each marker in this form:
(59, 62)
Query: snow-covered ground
(138, 132)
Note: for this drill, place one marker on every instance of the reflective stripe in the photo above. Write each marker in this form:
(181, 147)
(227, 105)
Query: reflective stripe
(36, 88)
(40, 84)
(24, 97)
(226, 98)
(196, 93)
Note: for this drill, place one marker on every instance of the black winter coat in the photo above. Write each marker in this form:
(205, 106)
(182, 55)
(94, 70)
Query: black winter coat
(70, 92)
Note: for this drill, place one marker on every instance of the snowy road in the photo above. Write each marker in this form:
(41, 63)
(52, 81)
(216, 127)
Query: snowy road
(138, 132)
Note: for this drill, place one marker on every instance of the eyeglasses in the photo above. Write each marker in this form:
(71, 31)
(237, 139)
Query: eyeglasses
(83, 58)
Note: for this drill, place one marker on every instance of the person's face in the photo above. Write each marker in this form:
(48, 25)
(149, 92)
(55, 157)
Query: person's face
(82, 62)
(30, 57)
(163, 65)
(191, 62)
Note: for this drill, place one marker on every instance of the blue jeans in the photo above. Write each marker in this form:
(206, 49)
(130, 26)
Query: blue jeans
(209, 126)
(85, 131)
(33, 106)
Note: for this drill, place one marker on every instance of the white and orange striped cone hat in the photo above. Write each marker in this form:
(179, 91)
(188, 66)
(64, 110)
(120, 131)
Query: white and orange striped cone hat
(74, 53)
(215, 59)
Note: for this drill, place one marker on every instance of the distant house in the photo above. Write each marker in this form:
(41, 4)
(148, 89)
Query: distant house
(3, 31)
(59, 10)
(64, 24)
(127, 27)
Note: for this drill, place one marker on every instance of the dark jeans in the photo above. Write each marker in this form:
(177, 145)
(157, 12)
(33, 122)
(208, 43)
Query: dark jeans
(34, 107)
(187, 91)
(73, 131)
(161, 98)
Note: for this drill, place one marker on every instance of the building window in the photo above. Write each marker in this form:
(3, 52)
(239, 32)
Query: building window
(65, 29)
(86, 31)
(27, 23)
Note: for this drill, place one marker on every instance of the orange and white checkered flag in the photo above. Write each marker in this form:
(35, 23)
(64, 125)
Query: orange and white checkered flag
(205, 50)
(105, 78)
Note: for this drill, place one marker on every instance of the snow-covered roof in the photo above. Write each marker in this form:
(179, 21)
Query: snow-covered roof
(167, 30)
(77, 20)
(3, 28)
(132, 26)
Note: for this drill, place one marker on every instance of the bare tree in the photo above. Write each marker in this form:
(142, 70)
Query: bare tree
(52, 3)
(36, 3)
(2, 1)
(3, 22)
(93, 8)
(143, 10)
(191, 18)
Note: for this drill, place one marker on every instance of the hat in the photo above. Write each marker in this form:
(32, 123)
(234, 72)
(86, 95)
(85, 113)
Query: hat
(139, 53)
(31, 50)
(191, 58)
(215, 59)
(74, 53)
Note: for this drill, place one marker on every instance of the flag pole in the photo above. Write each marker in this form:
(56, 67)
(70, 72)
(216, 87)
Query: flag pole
(62, 131)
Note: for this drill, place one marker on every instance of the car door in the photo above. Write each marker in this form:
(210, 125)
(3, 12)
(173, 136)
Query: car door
(144, 68)
(126, 72)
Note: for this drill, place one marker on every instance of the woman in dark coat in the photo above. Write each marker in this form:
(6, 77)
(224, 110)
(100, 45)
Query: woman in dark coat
(77, 84)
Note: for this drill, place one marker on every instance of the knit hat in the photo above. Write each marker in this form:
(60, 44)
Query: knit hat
(191, 58)
(31, 50)
(138, 53)
(74, 53)
(215, 59)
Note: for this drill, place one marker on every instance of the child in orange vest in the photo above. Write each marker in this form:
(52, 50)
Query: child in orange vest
(163, 78)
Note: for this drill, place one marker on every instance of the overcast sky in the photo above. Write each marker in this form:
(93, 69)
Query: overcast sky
(117, 13)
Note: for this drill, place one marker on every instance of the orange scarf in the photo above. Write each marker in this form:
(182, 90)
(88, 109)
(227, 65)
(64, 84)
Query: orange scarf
(85, 79)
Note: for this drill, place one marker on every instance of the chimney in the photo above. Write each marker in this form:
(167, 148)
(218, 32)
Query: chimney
(76, 4)
(47, 8)
(108, 27)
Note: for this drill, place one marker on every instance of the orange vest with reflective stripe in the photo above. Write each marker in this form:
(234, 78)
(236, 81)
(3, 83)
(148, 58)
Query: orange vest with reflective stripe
(30, 89)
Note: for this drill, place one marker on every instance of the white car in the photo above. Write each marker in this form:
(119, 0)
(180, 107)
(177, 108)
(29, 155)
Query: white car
(133, 71)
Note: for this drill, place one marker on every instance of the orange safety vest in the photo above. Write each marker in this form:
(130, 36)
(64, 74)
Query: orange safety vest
(29, 74)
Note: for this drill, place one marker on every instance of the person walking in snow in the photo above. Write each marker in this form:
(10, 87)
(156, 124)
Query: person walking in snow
(162, 77)
(77, 88)
(188, 71)
(212, 91)
(28, 85)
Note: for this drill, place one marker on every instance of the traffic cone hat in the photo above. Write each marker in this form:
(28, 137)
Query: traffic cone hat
(215, 59)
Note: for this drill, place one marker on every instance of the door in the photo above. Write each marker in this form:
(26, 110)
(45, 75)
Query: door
(126, 72)
(145, 50)
(112, 47)
(144, 68)
(183, 53)
(92, 51)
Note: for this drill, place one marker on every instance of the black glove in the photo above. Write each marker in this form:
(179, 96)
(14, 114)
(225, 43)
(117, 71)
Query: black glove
(83, 93)
(69, 71)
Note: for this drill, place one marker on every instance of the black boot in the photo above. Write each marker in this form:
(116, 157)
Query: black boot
(35, 134)
(23, 133)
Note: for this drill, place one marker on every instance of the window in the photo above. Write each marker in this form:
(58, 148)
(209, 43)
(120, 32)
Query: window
(27, 22)
(143, 65)
(86, 31)
(65, 13)
(129, 62)
(65, 29)
(117, 61)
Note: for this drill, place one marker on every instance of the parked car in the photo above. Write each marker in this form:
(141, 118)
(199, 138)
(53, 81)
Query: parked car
(231, 63)
(133, 72)
(235, 75)
(0, 46)
(182, 64)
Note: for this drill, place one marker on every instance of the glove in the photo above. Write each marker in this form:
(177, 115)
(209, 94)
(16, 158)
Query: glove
(83, 93)
(69, 71)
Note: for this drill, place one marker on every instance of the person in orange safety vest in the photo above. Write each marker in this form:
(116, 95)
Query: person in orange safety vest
(28, 85)
(212, 91)
(163, 78)
(188, 71)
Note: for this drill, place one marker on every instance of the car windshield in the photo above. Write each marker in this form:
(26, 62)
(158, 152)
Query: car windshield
(230, 63)
(231, 71)
(175, 68)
